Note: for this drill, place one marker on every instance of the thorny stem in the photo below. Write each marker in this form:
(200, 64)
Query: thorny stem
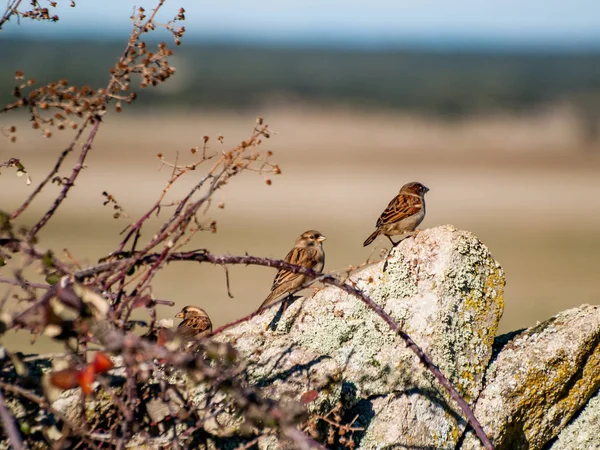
(138, 30)
(174, 229)
(43, 403)
(204, 256)
(250, 444)
(247, 317)
(50, 175)
(4, 280)
(9, 426)
(176, 226)
(182, 213)
(136, 226)
(29, 250)
(70, 182)
(11, 8)
(303, 441)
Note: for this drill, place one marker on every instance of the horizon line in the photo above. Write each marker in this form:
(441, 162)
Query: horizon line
(455, 43)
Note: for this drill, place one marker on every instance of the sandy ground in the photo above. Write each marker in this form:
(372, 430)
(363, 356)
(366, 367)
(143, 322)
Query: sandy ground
(524, 185)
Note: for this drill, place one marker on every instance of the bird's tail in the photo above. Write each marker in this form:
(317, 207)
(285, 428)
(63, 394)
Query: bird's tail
(371, 238)
(268, 300)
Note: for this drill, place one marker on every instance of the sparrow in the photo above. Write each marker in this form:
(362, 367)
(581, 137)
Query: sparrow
(403, 214)
(307, 252)
(195, 325)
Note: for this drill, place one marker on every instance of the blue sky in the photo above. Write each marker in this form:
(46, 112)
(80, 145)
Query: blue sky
(552, 23)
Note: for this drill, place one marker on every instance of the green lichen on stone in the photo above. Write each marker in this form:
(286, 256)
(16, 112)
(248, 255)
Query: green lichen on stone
(396, 281)
(493, 288)
(582, 431)
(327, 335)
(443, 287)
(540, 379)
(539, 328)
(478, 282)
(97, 408)
(471, 275)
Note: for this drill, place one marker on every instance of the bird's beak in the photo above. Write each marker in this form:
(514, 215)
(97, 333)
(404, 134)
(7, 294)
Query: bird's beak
(321, 238)
(179, 315)
(425, 189)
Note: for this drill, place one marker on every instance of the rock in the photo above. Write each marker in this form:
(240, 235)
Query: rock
(582, 432)
(330, 351)
(530, 389)
(540, 380)
(446, 289)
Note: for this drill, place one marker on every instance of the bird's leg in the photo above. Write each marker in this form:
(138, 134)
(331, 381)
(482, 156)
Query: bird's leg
(413, 233)
(393, 243)
(285, 303)
(390, 252)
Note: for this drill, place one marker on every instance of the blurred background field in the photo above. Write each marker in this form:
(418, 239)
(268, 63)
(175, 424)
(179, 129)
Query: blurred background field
(505, 137)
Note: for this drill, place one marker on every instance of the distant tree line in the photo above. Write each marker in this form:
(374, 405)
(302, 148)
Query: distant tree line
(441, 83)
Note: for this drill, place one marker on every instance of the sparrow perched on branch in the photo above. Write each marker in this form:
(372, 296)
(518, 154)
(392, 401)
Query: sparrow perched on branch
(403, 214)
(195, 325)
(308, 252)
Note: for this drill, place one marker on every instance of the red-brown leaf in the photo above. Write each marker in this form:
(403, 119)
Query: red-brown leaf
(64, 379)
(309, 397)
(162, 337)
(85, 378)
(102, 363)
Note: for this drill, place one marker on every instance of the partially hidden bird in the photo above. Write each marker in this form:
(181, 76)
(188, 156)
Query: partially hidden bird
(307, 252)
(403, 214)
(195, 325)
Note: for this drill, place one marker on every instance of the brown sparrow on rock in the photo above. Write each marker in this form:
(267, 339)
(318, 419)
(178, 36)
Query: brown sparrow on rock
(403, 214)
(308, 252)
(196, 323)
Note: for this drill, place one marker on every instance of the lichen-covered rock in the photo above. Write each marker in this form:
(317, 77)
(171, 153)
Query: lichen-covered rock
(446, 290)
(540, 380)
(533, 389)
(584, 430)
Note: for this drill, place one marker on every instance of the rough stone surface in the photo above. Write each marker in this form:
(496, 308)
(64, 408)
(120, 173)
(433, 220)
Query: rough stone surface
(584, 430)
(532, 389)
(446, 290)
(540, 380)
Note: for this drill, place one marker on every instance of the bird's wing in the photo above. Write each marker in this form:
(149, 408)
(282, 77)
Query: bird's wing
(191, 328)
(300, 256)
(400, 207)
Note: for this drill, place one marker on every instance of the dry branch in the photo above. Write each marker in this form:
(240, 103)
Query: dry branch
(204, 256)
(102, 298)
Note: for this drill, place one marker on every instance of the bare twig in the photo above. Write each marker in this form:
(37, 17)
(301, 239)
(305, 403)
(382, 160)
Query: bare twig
(50, 175)
(44, 404)
(249, 444)
(301, 440)
(205, 256)
(11, 9)
(9, 426)
(5, 280)
(113, 277)
(95, 110)
(69, 183)
(227, 282)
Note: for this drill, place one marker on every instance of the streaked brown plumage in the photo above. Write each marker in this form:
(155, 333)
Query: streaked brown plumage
(403, 214)
(195, 325)
(307, 252)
